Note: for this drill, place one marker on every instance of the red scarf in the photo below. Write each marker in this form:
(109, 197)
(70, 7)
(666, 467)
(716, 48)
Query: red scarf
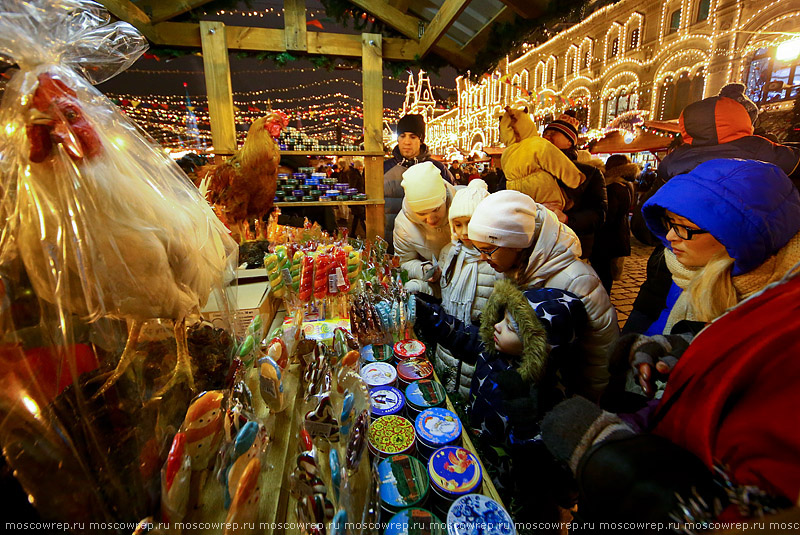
(734, 396)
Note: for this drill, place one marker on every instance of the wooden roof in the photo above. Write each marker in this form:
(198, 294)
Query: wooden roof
(456, 30)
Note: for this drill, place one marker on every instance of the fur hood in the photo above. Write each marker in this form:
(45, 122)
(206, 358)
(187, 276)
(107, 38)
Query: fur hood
(622, 173)
(547, 319)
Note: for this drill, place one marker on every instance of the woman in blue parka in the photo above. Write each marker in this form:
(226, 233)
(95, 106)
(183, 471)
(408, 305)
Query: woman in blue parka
(730, 227)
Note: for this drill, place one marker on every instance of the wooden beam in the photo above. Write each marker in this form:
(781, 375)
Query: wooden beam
(160, 10)
(372, 88)
(529, 9)
(400, 5)
(218, 86)
(440, 22)
(272, 40)
(410, 26)
(479, 40)
(130, 13)
(294, 20)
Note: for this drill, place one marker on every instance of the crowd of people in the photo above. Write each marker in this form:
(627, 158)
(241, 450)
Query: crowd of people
(685, 417)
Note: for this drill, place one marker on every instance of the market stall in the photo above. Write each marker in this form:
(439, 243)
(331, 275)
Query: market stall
(142, 385)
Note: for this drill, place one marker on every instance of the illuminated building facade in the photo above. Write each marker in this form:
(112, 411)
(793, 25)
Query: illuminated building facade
(655, 55)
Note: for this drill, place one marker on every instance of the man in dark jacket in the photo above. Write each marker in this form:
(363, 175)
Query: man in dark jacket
(589, 201)
(410, 150)
(712, 128)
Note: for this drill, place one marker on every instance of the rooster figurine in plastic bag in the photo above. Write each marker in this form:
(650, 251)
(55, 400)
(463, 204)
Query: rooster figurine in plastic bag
(105, 223)
(244, 186)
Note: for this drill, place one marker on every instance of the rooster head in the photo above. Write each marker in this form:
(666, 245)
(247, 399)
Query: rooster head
(55, 116)
(274, 122)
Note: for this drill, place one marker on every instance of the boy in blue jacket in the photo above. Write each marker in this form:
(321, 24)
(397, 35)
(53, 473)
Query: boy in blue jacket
(521, 352)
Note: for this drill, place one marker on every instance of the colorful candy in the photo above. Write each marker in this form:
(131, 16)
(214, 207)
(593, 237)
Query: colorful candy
(322, 265)
(274, 273)
(306, 278)
(295, 270)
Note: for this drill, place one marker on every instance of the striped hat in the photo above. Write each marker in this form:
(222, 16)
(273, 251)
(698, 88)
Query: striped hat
(567, 125)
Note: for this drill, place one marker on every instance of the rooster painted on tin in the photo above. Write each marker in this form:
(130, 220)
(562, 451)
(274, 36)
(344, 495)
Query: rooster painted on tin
(244, 185)
(106, 224)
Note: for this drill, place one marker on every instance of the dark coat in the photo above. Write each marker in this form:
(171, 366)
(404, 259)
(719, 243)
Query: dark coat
(393, 169)
(509, 394)
(613, 239)
(590, 205)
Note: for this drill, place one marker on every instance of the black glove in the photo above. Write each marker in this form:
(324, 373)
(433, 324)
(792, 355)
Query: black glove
(427, 299)
(520, 401)
(659, 352)
(575, 425)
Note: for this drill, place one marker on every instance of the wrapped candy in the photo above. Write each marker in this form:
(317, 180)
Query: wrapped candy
(353, 266)
(203, 428)
(276, 283)
(296, 269)
(322, 265)
(270, 384)
(244, 508)
(306, 279)
(175, 479)
(249, 444)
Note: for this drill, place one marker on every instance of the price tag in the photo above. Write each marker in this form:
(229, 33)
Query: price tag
(320, 429)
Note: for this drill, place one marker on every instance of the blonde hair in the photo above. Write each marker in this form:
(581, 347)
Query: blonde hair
(711, 290)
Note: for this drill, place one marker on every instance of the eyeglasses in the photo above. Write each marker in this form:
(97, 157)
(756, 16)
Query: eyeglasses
(682, 231)
(488, 254)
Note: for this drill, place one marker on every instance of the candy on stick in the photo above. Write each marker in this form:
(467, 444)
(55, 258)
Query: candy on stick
(322, 266)
(295, 269)
(353, 266)
(306, 279)
(273, 272)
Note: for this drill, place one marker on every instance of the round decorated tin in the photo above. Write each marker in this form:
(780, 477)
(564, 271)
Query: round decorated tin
(454, 471)
(415, 520)
(390, 435)
(435, 428)
(403, 482)
(386, 401)
(476, 514)
(424, 394)
(405, 349)
(413, 369)
(378, 374)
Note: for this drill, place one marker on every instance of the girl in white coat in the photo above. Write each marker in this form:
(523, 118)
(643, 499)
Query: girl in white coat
(526, 242)
(422, 227)
(467, 282)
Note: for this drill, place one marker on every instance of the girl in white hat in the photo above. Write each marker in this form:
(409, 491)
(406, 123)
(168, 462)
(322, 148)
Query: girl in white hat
(466, 282)
(422, 227)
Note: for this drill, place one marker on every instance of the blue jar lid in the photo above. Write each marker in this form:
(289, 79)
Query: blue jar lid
(455, 471)
(298, 175)
(415, 520)
(437, 426)
(425, 394)
(475, 514)
(403, 480)
(386, 400)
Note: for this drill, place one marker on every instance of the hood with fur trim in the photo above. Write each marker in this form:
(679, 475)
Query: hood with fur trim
(547, 318)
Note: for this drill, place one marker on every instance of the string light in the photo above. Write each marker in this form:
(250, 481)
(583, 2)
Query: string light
(660, 53)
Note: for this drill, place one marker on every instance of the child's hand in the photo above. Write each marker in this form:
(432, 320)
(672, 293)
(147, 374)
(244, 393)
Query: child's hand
(437, 274)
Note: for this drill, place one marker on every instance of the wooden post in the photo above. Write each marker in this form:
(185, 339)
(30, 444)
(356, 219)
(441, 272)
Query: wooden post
(294, 20)
(372, 87)
(218, 87)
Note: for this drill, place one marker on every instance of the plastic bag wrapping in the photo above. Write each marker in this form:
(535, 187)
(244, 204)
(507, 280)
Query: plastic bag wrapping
(76, 34)
(102, 231)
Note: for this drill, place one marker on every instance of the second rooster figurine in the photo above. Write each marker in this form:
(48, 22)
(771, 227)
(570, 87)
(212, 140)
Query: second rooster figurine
(244, 186)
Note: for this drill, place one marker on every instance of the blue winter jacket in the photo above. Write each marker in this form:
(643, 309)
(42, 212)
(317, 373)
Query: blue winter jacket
(750, 207)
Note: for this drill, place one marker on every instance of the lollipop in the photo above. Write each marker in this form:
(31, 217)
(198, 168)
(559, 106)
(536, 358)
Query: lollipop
(276, 284)
(306, 278)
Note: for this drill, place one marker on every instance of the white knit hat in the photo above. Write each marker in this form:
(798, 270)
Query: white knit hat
(506, 218)
(424, 187)
(466, 199)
